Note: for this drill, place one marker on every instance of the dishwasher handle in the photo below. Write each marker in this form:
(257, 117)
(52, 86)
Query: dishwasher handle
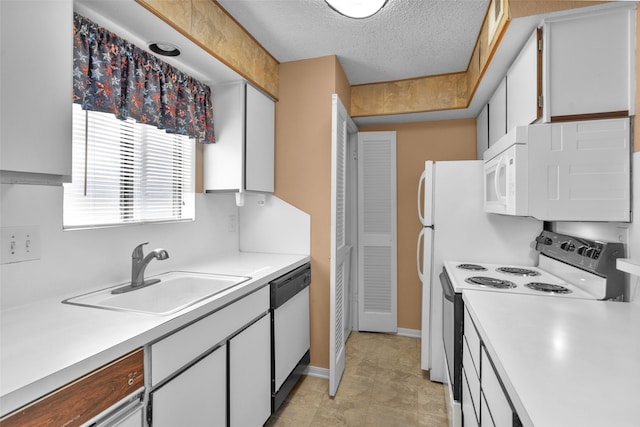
(287, 286)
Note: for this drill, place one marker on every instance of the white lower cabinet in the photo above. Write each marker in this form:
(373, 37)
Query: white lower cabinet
(497, 403)
(471, 374)
(215, 371)
(484, 401)
(196, 397)
(250, 375)
(485, 416)
(468, 410)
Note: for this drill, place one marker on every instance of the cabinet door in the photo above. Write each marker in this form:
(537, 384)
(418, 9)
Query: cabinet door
(35, 127)
(469, 417)
(498, 113)
(196, 397)
(243, 156)
(482, 131)
(582, 171)
(524, 86)
(259, 145)
(250, 375)
(496, 401)
(589, 62)
(223, 161)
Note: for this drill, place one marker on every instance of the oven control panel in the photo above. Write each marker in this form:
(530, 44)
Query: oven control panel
(593, 256)
(589, 255)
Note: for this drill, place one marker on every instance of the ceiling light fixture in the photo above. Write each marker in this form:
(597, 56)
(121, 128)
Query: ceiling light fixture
(357, 9)
(164, 49)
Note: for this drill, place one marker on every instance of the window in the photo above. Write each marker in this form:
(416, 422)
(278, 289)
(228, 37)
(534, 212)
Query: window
(127, 172)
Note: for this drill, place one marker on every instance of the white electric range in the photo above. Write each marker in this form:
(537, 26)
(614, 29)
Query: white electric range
(544, 280)
(568, 267)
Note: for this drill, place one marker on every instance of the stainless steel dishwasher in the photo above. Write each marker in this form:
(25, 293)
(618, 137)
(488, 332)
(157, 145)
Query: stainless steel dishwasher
(289, 331)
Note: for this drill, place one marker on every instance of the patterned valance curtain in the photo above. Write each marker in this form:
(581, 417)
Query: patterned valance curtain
(112, 75)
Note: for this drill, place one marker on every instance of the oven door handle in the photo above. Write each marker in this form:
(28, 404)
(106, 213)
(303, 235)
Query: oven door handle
(447, 288)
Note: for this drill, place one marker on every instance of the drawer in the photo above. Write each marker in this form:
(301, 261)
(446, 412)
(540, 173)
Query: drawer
(473, 340)
(497, 401)
(179, 349)
(473, 378)
(83, 399)
(469, 411)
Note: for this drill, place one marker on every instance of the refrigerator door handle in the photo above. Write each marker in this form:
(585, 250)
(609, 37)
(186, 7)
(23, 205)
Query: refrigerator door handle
(418, 260)
(420, 205)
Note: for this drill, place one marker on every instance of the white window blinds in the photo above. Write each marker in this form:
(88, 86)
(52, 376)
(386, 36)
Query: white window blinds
(127, 172)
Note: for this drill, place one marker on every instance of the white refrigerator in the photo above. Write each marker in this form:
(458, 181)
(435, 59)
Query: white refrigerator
(456, 228)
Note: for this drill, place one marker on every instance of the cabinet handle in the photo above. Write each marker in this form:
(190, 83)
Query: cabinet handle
(496, 179)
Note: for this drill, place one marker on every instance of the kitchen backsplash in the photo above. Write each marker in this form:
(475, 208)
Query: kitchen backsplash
(74, 261)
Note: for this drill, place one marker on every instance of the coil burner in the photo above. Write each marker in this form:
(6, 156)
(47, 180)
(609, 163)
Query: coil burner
(490, 282)
(525, 272)
(548, 288)
(471, 267)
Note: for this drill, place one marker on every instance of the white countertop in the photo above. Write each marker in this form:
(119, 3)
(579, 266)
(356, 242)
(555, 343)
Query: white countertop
(564, 362)
(47, 344)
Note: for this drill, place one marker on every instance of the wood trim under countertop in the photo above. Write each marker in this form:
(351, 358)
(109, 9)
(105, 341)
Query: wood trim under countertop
(79, 401)
(592, 116)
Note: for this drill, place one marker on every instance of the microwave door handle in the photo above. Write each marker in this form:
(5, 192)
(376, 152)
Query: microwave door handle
(418, 260)
(423, 178)
(496, 179)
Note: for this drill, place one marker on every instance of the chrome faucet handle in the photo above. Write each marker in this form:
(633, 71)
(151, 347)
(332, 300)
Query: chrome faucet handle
(138, 253)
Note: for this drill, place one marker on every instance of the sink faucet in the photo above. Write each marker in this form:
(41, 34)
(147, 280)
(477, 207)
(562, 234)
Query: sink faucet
(139, 263)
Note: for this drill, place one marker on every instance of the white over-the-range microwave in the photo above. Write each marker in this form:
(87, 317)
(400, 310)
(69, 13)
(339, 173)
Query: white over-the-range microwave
(570, 171)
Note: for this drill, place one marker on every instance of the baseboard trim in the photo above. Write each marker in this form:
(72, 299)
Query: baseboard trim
(314, 371)
(414, 333)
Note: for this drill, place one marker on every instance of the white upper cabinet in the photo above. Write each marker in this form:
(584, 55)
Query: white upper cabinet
(524, 85)
(589, 64)
(242, 159)
(580, 171)
(576, 67)
(36, 40)
(498, 113)
(482, 131)
(259, 154)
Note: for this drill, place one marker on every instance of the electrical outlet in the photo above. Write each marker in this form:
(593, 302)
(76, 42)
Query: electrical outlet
(623, 235)
(19, 244)
(233, 223)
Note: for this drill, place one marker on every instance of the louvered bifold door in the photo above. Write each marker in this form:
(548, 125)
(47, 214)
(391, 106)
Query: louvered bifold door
(377, 232)
(341, 125)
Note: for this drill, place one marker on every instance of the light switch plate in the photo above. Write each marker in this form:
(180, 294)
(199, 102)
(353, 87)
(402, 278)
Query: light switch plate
(19, 244)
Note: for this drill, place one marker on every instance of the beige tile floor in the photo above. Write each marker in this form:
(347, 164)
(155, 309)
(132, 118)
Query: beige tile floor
(382, 385)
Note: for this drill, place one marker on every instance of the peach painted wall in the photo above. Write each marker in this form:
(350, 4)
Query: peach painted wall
(415, 143)
(303, 170)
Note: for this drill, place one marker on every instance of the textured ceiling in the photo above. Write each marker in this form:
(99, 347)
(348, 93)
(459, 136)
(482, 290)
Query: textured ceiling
(407, 38)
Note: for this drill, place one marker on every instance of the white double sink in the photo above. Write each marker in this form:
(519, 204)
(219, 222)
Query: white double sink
(176, 291)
